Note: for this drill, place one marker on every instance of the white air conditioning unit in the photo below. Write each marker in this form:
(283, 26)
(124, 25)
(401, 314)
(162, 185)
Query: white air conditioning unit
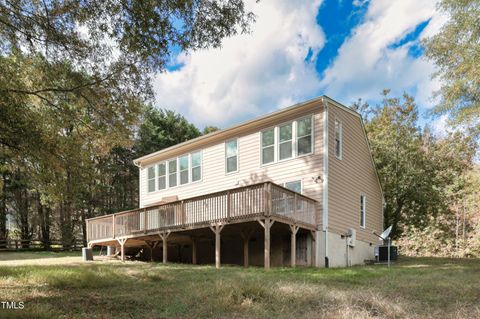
(352, 236)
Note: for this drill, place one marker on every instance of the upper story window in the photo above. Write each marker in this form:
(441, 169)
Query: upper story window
(285, 142)
(338, 139)
(176, 171)
(268, 146)
(184, 169)
(162, 178)
(172, 173)
(304, 136)
(231, 156)
(363, 210)
(196, 166)
(151, 178)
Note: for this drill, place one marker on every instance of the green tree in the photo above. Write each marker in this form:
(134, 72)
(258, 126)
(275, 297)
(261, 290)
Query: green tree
(210, 129)
(416, 169)
(74, 78)
(456, 52)
(161, 129)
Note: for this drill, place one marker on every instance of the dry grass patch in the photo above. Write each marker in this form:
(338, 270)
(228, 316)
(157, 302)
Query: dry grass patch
(441, 288)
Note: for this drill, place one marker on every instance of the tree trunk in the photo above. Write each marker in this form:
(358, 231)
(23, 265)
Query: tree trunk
(3, 213)
(66, 228)
(23, 217)
(44, 218)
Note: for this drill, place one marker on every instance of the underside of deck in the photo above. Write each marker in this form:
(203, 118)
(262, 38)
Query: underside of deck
(261, 224)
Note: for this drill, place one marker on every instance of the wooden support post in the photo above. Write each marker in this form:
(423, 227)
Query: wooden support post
(145, 220)
(150, 245)
(295, 207)
(293, 248)
(246, 239)
(122, 242)
(164, 237)
(217, 228)
(184, 216)
(267, 225)
(194, 251)
(268, 198)
(228, 205)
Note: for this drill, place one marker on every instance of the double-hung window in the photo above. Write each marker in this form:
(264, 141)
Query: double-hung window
(151, 179)
(196, 166)
(285, 141)
(363, 210)
(268, 146)
(162, 178)
(184, 169)
(172, 173)
(338, 139)
(304, 136)
(231, 156)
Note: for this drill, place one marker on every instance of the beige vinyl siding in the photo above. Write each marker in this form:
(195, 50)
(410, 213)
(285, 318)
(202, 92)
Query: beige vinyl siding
(350, 177)
(250, 170)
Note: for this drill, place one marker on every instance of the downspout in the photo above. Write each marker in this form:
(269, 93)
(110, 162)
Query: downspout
(325, 180)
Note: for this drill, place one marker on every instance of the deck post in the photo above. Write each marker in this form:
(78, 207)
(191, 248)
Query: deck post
(267, 225)
(164, 237)
(293, 247)
(150, 246)
(122, 242)
(246, 239)
(184, 216)
(113, 226)
(228, 205)
(217, 228)
(145, 221)
(194, 251)
(268, 198)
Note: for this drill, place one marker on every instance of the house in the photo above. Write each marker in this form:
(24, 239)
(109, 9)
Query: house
(294, 187)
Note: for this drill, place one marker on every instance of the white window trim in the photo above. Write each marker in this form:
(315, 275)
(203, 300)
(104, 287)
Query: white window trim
(364, 212)
(340, 157)
(176, 172)
(292, 140)
(272, 145)
(179, 170)
(312, 135)
(237, 155)
(155, 188)
(201, 167)
(157, 176)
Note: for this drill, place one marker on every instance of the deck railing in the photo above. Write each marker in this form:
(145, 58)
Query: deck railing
(262, 199)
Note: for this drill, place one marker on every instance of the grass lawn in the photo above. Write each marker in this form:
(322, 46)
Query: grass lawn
(413, 288)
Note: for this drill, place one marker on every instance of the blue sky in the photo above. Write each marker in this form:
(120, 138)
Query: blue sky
(302, 49)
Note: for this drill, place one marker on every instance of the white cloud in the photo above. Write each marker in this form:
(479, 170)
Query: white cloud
(367, 62)
(440, 126)
(251, 74)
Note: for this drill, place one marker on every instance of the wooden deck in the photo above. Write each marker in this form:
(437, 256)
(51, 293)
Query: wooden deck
(264, 202)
